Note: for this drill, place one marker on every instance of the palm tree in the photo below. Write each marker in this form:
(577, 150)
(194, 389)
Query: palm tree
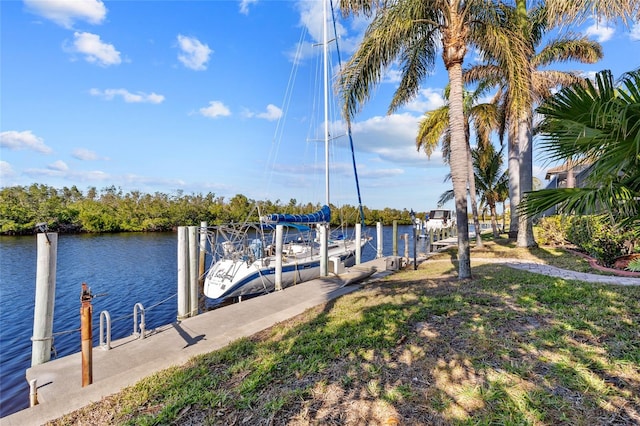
(413, 31)
(434, 127)
(600, 123)
(491, 180)
(518, 104)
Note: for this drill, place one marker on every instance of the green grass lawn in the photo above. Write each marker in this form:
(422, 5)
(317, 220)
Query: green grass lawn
(418, 348)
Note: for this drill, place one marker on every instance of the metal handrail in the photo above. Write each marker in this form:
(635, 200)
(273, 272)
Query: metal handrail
(105, 318)
(138, 307)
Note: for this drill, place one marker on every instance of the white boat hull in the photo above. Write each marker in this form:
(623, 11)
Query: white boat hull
(229, 278)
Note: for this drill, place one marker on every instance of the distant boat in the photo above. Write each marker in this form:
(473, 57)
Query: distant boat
(439, 219)
(244, 255)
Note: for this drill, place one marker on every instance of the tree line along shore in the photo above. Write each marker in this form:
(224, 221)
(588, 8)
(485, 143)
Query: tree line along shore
(71, 210)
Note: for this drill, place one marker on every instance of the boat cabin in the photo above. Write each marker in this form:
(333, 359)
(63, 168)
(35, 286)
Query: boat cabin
(438, 219)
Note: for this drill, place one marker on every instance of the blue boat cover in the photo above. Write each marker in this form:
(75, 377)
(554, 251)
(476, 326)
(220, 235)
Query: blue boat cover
(323, 215)
(296, 226)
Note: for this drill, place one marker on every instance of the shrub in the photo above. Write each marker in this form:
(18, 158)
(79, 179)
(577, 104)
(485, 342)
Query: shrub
(599, 238)
(634, 265)
(552, 230)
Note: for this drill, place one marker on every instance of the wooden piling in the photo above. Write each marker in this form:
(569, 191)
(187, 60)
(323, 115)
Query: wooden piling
(395, 238)
(358, 245)
(379, 244)
(183, 273)
(324, 249)
(86, 332)
(279, 232)
(33, 392)
(193, 270)
(202, 253)
(44, 298)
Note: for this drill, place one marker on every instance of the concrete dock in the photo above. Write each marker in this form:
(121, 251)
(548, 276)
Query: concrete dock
(59, 382)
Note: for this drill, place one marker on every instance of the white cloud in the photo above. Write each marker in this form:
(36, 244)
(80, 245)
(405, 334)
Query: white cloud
(194, 54)
(244, 6)
(428, 99)
(58, 170)
(600, 31)
(23, 140)
(591, 75)
(271, 114)
(65, 12)
(6, 170)
(635, 32)
(59, 166)
(86, 155)
(95, 50)
(139, 97)
(311, 17)
(215, 109)
(393, 138)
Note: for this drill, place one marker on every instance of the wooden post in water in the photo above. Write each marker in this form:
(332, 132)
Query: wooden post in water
(379, 233)
(193, 270)
(405, 237)
(183, 273)
(45, 298)
(279, 232)
(202, 253)
(86, 333)
(323, 228)
(430, 241)
(358, 245)
(395, 238)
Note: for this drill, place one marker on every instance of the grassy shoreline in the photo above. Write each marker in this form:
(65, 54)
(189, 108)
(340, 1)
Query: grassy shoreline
(418, 347)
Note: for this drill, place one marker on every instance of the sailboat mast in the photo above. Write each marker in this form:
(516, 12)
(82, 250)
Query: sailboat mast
(326, 98)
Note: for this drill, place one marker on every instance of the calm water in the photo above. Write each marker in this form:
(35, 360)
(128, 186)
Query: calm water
(130, 268)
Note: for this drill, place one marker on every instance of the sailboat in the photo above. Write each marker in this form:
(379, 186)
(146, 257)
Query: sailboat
(281, 250)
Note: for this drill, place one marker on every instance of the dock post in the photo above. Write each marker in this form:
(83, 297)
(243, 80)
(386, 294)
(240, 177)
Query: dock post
(430, 241)
(279, 231)
(33, 392)
(193, 270)
(379, 233)
(183, 273)
(358, 245)
(395, 238)
(202, 253)
(45, 298)
(86, 332)
(405, 237)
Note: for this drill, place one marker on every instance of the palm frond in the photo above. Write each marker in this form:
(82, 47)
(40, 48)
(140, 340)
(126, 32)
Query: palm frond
(600, 122)
(562, 11)
(431, 129)
(568, 48)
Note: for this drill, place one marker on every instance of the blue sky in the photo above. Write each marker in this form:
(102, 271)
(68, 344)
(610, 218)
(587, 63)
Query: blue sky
(192, 96)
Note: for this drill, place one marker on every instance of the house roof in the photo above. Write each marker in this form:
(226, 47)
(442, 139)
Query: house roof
(578, 166)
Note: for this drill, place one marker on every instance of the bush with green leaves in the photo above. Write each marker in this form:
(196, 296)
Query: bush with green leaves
(597, 236)
(552, 230)
(634, 265)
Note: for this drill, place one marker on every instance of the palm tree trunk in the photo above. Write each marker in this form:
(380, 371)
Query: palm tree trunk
(473, 197)
(514, 181)
(525, 139)
(459, 164)
(494, 220)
